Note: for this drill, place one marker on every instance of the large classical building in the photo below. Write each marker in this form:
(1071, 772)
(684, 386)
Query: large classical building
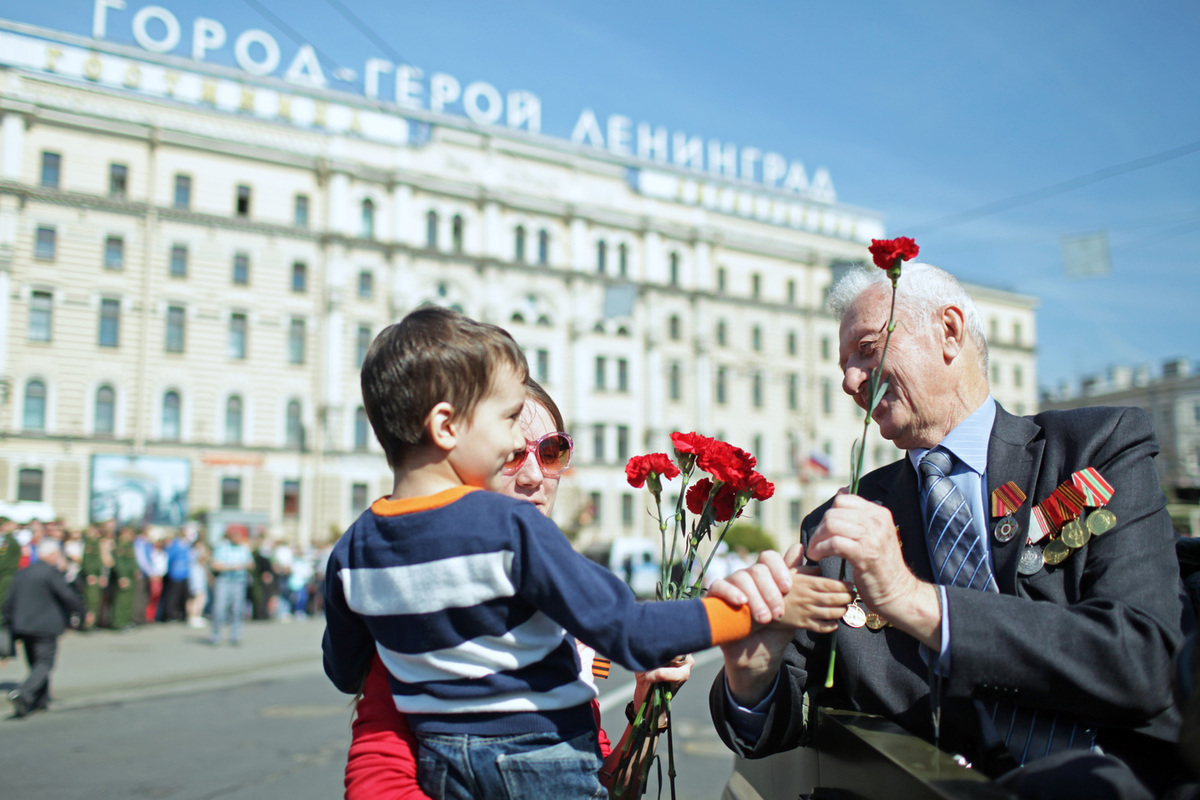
(193, 260)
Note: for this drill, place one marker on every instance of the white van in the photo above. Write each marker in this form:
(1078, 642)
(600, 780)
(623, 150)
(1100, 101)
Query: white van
(633, 560)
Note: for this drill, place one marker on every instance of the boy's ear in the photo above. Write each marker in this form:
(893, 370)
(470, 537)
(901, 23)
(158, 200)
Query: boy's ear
(442, 430)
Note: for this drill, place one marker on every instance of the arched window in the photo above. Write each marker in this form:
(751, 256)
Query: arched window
(456, 233)
(519, 244)
(431, 230)
(35, 406)
(673, 327)
(622, 259)
(368, 218)
(295, 425)
(517, 318)
(674, 276)
(106, 401)
(233, 419)
(601, 256)
(361, 428)
(171, 416)
(543, 247)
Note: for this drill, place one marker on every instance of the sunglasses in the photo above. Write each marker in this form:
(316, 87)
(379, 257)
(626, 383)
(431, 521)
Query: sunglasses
(552, 450)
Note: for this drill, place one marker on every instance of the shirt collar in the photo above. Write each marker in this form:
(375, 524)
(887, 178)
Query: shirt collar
(968, 441)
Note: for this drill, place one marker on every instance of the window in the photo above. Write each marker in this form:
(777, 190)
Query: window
(543, 247)
(431, 230)
(795, 514)
(1016, 333)
(622, 375)
(622, 259)
(299, 277)
(110, 322)
(118, 180)
(242, 201)
(231, 493)
(519, 244)
(106, 404)
(170, 416)
(626, 509)
(46, 241)
(826, 396)
(542, 365)
(756, 338)
(601, 256)
(241, 269)
(361, 427)
(595, 504)
(179, 261)
(995, 374)
(720, 279)
(367, 228)
(791, 292)
(791, 343)
(673, 327)
(51, 169)
(41, 316)
(34, 417)
(183, 191)
(994, 328)
(114, 252)
(237, 335)
(674, 381)
(825, 348)
(175, 323)
(721, 332)
(358, 498)
(601, 370)
(1018, 376)
(294, 433)
(233, 419)
(793, 392)
(722, 387)
(366, 284)
(598, 442)
(291, 498)
(29, 485)
(622, 444)
(673, 278)
(296, 341)
(300, 211)
(456, 233)
(756, 391)
(755, 285)
(362, 343)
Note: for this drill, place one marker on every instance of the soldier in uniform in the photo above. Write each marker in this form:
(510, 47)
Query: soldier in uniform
(124, 576)
(95, 577)
(10, 557)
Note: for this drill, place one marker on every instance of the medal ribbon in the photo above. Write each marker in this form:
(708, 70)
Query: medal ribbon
(1096, 491)
(1064, 504)
(1007, 499)
(1044, 526)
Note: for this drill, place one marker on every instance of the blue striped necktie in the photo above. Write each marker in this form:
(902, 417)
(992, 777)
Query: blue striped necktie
(960, 558)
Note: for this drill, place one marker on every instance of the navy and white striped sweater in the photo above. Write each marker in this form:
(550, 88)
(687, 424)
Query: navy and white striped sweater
(471, 597)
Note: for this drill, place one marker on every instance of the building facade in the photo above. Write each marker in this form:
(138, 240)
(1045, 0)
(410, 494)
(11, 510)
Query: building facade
(193, 262)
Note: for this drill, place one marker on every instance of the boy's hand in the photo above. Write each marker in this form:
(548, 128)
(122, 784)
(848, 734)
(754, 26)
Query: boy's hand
(814, 603)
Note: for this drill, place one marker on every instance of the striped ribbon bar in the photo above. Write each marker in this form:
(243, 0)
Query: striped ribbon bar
(601, 666)
(1096, 491)
(1007, 499)
(1044, 526)
(1064, 504)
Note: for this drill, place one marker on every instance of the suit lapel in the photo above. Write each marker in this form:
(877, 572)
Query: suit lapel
(897, 492)
(1014, 454)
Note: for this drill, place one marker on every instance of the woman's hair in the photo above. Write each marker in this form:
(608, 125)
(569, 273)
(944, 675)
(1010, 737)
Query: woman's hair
(544, 399)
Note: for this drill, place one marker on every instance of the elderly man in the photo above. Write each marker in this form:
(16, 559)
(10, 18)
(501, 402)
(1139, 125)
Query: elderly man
(1049, 663)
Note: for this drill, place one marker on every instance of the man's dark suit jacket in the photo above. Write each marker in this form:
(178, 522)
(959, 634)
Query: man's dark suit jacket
(40, 601)
(1092, 637)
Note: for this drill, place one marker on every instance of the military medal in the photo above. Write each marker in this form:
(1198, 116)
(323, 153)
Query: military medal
(1031, 561)
(1074, 534)
(876, 622)
(855, 617)
(1101, 521)
(1055, 552)
(1006, 500)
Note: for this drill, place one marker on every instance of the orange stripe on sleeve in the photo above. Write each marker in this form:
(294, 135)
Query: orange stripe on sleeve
(728, 623)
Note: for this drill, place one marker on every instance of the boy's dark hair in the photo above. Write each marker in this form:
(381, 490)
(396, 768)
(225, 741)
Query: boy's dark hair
(432, 355)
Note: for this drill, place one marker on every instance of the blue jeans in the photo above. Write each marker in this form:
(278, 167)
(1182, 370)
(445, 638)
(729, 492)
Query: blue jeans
(229, 606)
(527, 766)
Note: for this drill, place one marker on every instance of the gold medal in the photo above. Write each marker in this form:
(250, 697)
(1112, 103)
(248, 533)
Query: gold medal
(1055, 552)
(855, 617)
(1074, 534)
(876, 622)
(1101, 521)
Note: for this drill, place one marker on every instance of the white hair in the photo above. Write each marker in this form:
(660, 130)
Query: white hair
(923, 290)
(47, 548)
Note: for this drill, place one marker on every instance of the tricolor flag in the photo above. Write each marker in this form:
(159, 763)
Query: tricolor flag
(817, 463)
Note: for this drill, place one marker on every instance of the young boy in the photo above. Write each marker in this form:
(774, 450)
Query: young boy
(469, 597)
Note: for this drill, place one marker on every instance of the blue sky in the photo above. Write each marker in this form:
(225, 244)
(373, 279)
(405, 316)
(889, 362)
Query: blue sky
(920, 110)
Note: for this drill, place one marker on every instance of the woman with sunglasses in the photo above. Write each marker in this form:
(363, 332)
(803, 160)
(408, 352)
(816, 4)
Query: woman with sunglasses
(382, 763)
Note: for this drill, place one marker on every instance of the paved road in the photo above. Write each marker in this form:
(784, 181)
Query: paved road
(157, 713)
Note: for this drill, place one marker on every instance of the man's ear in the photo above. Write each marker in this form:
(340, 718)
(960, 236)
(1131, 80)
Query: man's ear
(953, 327)
(441, 426)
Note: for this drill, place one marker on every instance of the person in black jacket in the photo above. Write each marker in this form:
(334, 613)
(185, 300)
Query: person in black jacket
(38, 607)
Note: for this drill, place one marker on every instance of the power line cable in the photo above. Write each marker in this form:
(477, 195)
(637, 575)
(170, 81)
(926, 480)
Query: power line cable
(1054, 189)
(366, 30)
(283, 26)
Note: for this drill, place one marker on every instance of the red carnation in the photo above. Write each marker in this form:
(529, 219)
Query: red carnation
(724, 503)
(887, 253)
(639, 468)
(727, 464)
(760, 488)
(697, 495)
